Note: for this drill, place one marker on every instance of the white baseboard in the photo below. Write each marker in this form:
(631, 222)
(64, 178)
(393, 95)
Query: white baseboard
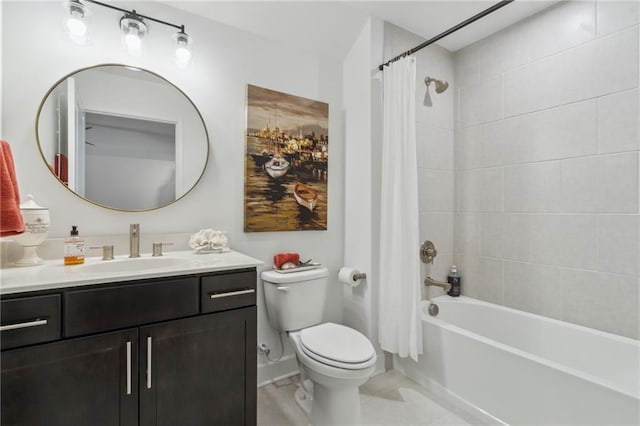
(274, 371)
(436, 388)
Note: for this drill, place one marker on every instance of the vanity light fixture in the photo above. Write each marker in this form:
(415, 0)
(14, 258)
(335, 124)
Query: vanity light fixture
(133, 26)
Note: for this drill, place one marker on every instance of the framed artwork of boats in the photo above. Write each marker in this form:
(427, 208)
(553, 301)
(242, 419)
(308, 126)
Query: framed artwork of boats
(286, 159)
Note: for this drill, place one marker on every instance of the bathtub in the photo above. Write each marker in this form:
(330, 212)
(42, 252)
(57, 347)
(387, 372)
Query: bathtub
(525, 369)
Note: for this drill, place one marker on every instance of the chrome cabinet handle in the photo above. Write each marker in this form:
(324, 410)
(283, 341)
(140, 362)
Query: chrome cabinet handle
(128, 367)
(231, 293)
(148, 362)
(34, 323)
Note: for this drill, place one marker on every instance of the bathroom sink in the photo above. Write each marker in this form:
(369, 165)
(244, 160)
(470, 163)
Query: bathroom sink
(133, 265)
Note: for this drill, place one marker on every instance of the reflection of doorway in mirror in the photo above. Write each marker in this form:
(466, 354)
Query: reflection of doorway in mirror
(135, 157)
(53, 130)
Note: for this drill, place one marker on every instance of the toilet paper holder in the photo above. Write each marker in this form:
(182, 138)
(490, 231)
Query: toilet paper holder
(360, 276)
(351, 276)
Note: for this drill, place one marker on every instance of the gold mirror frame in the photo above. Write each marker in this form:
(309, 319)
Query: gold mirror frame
(42, 155)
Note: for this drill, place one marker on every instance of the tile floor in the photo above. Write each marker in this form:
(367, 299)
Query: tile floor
(387, 399)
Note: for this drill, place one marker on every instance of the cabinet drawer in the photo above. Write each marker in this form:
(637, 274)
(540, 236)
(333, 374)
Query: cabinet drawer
(29, 320)
(228, 291)
(127, 305)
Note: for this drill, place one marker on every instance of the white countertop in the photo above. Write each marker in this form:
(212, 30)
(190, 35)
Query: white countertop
(52, 274)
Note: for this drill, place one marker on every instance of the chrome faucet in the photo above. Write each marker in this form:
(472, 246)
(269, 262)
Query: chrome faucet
(431, 282)
(134, 240)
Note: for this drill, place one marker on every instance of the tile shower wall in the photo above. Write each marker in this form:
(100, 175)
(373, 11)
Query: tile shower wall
(546, 165)
(434, 142)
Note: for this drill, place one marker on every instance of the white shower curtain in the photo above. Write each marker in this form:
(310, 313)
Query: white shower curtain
(399, 327)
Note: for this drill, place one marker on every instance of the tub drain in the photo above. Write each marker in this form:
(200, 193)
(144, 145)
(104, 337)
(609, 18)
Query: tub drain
(433, 309)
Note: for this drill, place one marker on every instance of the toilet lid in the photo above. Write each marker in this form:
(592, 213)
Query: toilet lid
(337, 345)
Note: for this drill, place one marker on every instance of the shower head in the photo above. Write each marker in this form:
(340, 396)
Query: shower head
(441, 85)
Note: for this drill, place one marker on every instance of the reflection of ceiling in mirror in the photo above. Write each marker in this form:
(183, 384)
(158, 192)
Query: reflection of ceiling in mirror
(136, 124)
(125, 138)
(123, 71)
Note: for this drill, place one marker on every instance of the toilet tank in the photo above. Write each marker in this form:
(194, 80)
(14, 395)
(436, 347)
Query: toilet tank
(295, 300)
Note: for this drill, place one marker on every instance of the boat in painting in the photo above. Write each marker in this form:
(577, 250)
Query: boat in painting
(261, 158)
(305, 196)
(277, 166)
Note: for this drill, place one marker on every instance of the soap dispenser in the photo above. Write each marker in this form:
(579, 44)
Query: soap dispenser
(454, 279)
(73, 248)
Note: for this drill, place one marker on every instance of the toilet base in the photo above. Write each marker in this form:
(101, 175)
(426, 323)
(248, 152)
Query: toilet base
(335, 406)
(304, 401)
(330, 407)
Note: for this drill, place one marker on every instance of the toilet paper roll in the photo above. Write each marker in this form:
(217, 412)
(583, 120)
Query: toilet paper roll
(350, 276)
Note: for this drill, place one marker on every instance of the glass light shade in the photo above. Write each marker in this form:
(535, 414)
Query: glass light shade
(76, 21)
(133, 30)
(183, 49)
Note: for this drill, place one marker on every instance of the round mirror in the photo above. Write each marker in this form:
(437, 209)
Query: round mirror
(122, 137)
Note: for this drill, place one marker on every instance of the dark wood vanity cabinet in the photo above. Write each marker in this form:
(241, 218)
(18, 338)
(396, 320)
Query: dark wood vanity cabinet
(201, 370)
(175, 360)
(71, 382)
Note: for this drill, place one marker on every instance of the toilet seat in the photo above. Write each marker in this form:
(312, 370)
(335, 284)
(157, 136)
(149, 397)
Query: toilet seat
(337, 346)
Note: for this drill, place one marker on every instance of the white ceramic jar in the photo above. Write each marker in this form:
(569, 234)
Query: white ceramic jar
(36, 228)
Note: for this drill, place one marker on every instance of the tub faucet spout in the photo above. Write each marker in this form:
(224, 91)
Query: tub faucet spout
(431, 282)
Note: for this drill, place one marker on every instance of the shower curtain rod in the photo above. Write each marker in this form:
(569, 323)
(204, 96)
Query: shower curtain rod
(447, 32)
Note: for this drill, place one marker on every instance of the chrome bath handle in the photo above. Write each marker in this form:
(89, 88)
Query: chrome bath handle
(428, 252)
(34, 323)
(128, 367)
(231, 293)
(148, 362)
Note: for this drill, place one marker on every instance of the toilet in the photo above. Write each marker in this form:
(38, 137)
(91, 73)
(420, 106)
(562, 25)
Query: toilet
(334, 360)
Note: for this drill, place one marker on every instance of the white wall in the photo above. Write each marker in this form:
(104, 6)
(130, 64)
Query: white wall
(225, 61)
(361, 98)
(358, 241)
(546, 163)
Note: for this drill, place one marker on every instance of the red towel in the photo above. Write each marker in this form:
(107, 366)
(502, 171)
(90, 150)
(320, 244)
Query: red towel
(282, 258)
(10, 217)
(61, 168)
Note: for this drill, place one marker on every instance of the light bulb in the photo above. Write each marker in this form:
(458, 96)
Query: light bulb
(183, 56)
(132, 40)
(76, 25)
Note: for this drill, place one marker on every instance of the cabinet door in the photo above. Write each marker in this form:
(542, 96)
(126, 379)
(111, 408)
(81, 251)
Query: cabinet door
(86, 381)
(199, 371)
